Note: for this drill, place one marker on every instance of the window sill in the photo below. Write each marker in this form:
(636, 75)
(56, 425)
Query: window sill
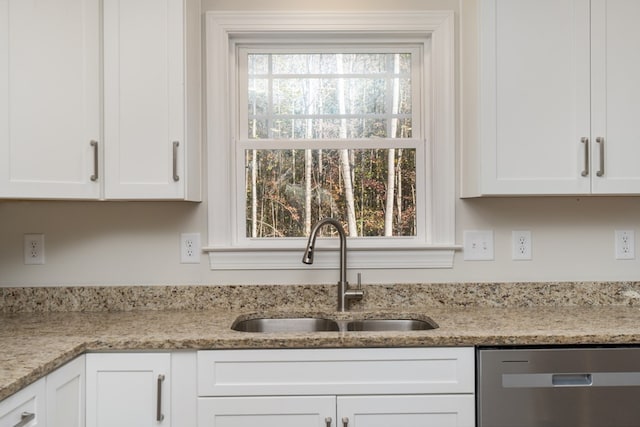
(237, 258)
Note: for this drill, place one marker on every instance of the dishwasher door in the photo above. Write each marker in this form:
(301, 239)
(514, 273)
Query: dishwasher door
(559, 387)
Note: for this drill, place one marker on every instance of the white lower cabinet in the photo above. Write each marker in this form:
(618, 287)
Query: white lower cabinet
(266, 411)
(141, 389)
(65, 395)
(128, 389)
(26, 408)
(406, 411)
(337, 388)
(340, 411)
(56, 400)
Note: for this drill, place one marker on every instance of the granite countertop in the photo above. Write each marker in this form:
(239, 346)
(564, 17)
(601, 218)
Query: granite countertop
(34, 344)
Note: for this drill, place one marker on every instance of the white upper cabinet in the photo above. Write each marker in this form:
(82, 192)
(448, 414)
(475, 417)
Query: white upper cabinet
(49, 98)
(100, 99)
(150, 144)
(557, 79)
(615, 96)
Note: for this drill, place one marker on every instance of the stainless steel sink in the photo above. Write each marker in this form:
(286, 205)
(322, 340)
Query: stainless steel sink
(287, 324)
(307, 324)
(390, 325)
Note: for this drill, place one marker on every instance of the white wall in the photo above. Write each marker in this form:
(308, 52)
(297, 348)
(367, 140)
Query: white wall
(130, 243)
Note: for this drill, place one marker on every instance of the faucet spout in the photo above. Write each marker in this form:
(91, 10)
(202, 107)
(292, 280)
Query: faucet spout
(344, 293)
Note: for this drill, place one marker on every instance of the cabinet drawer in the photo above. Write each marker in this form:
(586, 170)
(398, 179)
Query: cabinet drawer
(335, 371)
(29, 400)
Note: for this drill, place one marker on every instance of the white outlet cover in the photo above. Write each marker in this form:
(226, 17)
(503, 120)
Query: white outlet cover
(625, 244)
(190, 248)
(478, 245)
(521, 245)
(34, 249)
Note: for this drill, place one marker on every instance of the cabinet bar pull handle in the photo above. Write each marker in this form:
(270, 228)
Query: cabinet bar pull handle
(328, 421)
(25, 418)
(159, 414)
(600, 141)
(345, 422)
(176, 144)
(94, 144)
(585, 141)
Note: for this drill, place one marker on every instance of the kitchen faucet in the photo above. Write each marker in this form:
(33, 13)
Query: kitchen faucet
(344, 293)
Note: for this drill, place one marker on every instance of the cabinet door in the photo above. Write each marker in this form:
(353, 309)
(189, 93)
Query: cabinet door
(407, 411)
(616, 96)
(534, 89)
(26, 406)
(144, 99)
(307, 411)
(65, 395)
(128, 390)
(49, 98)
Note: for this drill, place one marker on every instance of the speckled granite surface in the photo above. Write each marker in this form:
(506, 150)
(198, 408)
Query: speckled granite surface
(35, 342)
(321, 297)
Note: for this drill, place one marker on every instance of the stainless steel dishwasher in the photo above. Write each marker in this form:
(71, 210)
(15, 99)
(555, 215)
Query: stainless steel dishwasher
(558, 387)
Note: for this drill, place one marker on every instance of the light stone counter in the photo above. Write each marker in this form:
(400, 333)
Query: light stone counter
(34, 344)
(43, 328)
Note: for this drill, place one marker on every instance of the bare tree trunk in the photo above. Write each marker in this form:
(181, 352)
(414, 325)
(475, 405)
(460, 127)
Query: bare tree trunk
(344, 156)
(254, 180)
(388, 213)
(308, 164)
(391, 176)
(399, 187)
(254, 193)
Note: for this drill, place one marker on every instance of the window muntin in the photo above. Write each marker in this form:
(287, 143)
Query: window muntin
(304, 114)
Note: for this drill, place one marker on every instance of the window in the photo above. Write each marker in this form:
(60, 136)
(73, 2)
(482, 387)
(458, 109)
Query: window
(302, 103)
(347, 115)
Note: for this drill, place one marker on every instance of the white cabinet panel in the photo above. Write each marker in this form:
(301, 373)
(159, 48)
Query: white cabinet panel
(28, 403)
(534, 107)
(66, 396)
(49, 98)
(123, 389)
(407, 411)
(616, 95)
(335, 371)
(289, 411)
(146, 98)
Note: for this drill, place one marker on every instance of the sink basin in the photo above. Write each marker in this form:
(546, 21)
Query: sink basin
(287, 324)
(302, 323)
(374, 325)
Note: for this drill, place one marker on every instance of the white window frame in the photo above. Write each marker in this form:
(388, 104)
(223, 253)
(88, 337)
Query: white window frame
(432, 248)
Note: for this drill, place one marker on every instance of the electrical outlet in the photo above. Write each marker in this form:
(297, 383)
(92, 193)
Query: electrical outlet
(478, 245)
(521, 245)
(190, 248)
(625, 244)
(34, 249)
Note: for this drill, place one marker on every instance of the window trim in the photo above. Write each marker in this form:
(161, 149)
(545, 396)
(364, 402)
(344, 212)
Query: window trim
(222, 28)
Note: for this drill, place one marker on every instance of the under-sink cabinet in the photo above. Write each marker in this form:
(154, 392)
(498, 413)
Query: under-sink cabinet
(337, 387)
(56, 400)
(559, 91)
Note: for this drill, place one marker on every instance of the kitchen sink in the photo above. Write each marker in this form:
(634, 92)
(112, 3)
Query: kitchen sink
(286, 324)
(301, 324)
(390, 325)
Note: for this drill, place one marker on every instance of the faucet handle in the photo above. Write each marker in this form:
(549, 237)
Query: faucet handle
(355, 294)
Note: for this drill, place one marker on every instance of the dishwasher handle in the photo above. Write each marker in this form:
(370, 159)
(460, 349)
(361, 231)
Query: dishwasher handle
(593, 379)
(571, 380)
